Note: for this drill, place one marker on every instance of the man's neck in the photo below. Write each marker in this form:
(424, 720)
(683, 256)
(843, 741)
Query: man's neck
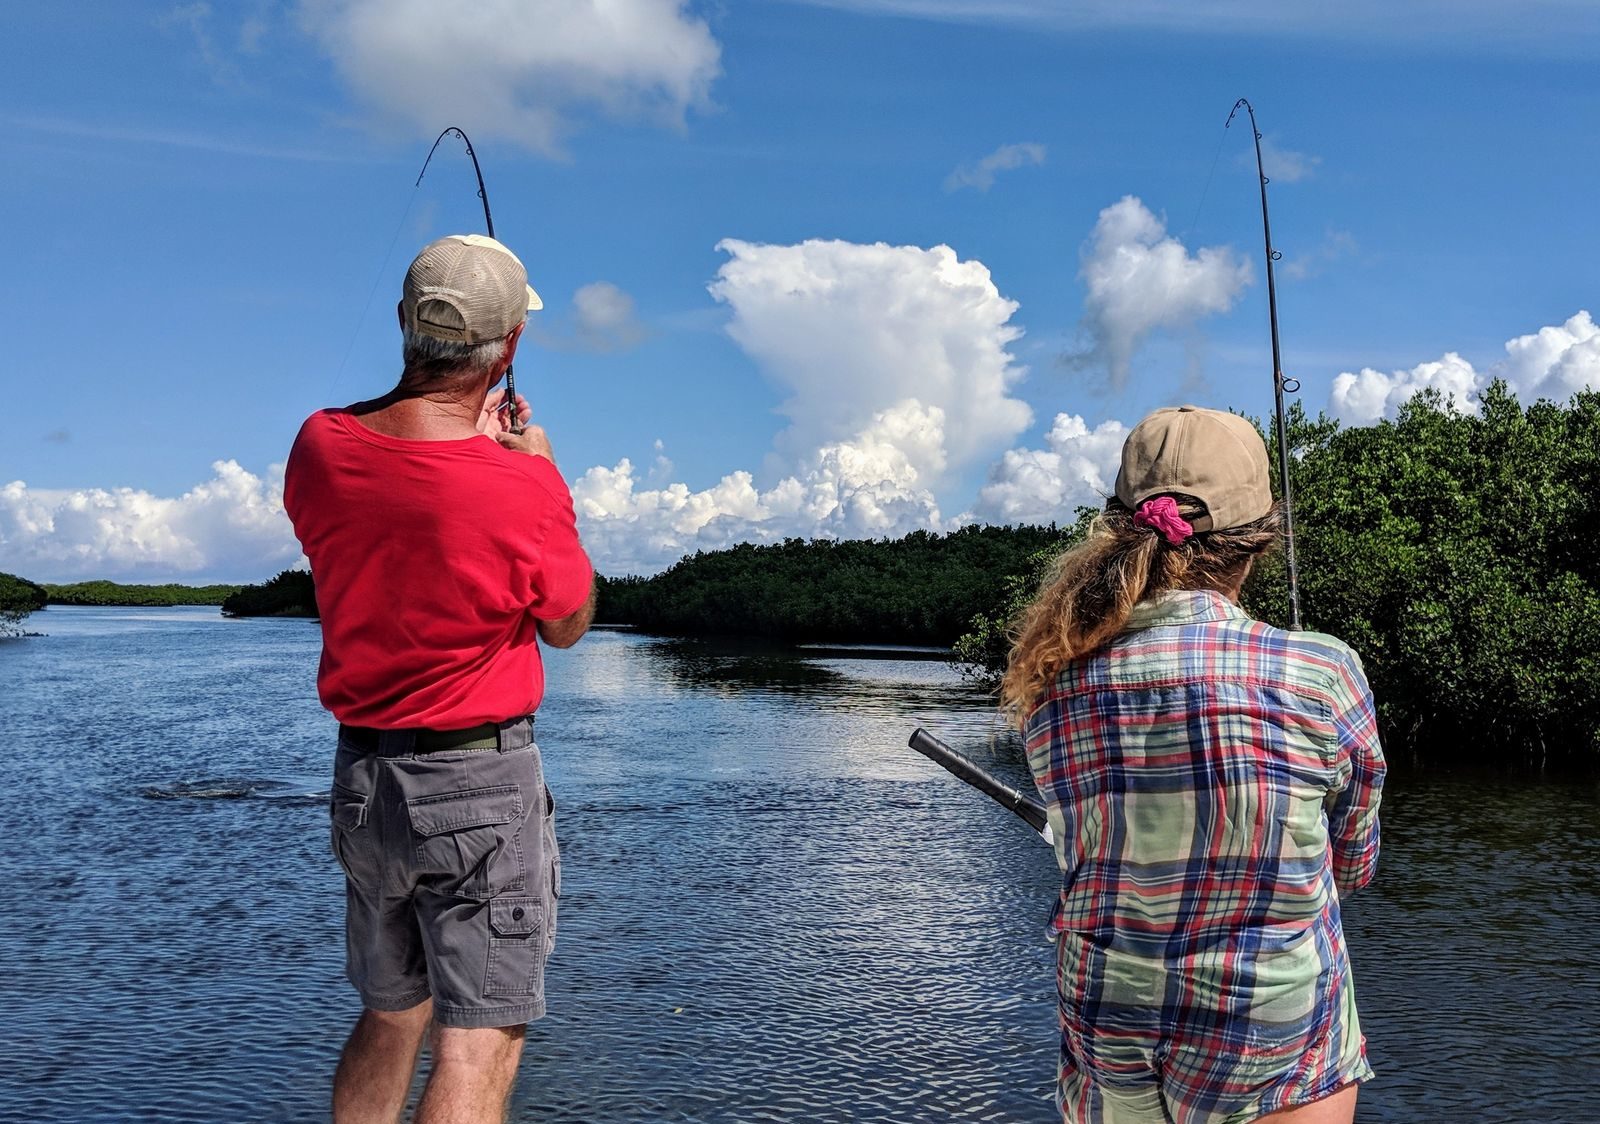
(442, 415)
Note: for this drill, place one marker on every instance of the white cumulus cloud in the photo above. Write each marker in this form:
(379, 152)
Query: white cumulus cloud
(895, 366)
(1077, 468)
(981, 174)
(1141, 280)
(232, 527)
(1555, 362)
(848, 330)
(527, 70)
(864, 487)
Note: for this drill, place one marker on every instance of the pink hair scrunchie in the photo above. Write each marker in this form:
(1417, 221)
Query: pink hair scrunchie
(1162, 514)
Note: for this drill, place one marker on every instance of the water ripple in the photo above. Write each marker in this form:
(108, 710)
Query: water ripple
(773, 911)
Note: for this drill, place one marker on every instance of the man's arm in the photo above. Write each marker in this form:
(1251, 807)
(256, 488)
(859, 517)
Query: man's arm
(566, 631)
(562, 632)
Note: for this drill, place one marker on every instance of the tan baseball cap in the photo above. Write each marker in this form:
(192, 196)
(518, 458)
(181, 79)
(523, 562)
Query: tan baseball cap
(467, 288)
(1217, 458)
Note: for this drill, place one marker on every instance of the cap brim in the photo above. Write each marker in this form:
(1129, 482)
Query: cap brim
(534, 303)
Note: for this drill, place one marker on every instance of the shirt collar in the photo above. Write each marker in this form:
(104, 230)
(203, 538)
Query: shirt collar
(1184, 606)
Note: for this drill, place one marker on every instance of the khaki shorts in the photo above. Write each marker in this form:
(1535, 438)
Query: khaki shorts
(452, 875)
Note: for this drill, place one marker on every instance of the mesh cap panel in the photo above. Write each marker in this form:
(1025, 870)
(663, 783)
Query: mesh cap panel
(468, 289)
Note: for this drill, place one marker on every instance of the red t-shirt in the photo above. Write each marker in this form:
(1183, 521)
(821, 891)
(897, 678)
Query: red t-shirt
(434, 562)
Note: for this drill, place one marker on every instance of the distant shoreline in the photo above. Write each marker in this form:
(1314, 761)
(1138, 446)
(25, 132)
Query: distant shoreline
(137, 596)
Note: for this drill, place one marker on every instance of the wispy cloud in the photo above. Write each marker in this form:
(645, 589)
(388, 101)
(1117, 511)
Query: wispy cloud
(168, 138)
(1520, 25)
(532, 72)
(1336, 245)
(1283, 165)
(604, 318)
(195, 18)
(981, 174)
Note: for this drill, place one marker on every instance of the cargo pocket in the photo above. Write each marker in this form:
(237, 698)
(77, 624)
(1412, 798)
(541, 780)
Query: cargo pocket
(516, 948)
(469, 844)
(552, 851)
(347, 811)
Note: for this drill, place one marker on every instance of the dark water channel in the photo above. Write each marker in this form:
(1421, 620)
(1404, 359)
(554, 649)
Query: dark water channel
(772, 910)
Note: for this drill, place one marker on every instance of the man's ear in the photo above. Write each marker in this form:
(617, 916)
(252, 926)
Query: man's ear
(514, 335)
(400, 312)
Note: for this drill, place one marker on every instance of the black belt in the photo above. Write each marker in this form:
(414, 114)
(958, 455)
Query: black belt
(486, 735)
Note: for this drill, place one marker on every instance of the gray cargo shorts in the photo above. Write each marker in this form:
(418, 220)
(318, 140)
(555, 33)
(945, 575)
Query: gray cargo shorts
(452, 874)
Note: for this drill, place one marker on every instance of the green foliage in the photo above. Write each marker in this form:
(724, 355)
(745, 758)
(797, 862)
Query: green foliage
(921, 589)
(982, 650)
(1457, 554)
(115, 593)
(288, 594)
(18, 598)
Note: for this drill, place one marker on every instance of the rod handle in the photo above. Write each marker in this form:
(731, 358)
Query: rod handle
(981, 779)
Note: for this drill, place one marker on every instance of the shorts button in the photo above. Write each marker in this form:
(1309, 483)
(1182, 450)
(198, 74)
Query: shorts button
(516, 914)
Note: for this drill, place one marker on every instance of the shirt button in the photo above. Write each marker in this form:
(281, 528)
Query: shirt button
(516, 914)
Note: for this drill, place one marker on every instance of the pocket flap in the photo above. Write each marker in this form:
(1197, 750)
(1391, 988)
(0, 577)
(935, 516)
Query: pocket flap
(456, 811)
(516, 917)
(347, 807)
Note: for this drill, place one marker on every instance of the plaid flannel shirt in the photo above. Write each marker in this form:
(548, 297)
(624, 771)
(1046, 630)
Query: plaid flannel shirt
(1213, 785)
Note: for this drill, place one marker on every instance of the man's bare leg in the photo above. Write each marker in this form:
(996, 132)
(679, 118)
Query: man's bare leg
(375, 1070)
(473, 1071)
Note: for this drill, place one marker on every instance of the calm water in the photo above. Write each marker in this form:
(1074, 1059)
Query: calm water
(772, 910)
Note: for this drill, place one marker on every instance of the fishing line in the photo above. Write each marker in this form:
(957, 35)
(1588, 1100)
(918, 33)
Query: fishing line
(1192, 229)
(372, 292)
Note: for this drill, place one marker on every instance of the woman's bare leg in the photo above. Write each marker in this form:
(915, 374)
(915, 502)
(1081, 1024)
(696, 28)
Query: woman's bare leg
(1338, 1107)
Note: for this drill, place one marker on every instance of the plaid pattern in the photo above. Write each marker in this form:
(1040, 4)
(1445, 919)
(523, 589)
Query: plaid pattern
(1213, 787)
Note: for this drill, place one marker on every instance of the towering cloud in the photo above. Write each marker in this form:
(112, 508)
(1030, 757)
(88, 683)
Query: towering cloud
(847, 330)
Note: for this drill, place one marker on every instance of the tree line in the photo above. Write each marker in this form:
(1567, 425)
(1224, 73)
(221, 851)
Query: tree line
(922, 589)
(118, 593)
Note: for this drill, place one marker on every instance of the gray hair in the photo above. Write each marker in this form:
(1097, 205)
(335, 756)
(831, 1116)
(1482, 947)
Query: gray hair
(428, 359)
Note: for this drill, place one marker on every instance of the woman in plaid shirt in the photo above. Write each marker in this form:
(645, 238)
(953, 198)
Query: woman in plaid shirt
(1212, 784)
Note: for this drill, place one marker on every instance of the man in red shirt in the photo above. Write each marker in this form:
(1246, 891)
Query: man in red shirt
(445, 547)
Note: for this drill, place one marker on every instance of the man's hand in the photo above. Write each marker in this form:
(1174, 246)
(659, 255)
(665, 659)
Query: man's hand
(493, 418)
(531, 441)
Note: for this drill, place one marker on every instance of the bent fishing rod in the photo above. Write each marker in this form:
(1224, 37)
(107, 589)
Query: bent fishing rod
(1280, 385)
(488, 221)
(966, 769)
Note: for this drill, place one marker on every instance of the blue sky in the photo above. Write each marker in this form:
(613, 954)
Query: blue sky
(734, 213)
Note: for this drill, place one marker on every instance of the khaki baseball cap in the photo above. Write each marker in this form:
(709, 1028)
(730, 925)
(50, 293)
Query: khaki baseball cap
(467, 288)
(1215, 457)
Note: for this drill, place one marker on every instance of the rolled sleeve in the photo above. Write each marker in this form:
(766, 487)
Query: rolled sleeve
(1353, 808)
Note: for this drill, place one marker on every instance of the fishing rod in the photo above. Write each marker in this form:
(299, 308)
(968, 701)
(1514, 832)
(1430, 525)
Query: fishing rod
(984, 781)
(1280, 385)
(488, 220)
